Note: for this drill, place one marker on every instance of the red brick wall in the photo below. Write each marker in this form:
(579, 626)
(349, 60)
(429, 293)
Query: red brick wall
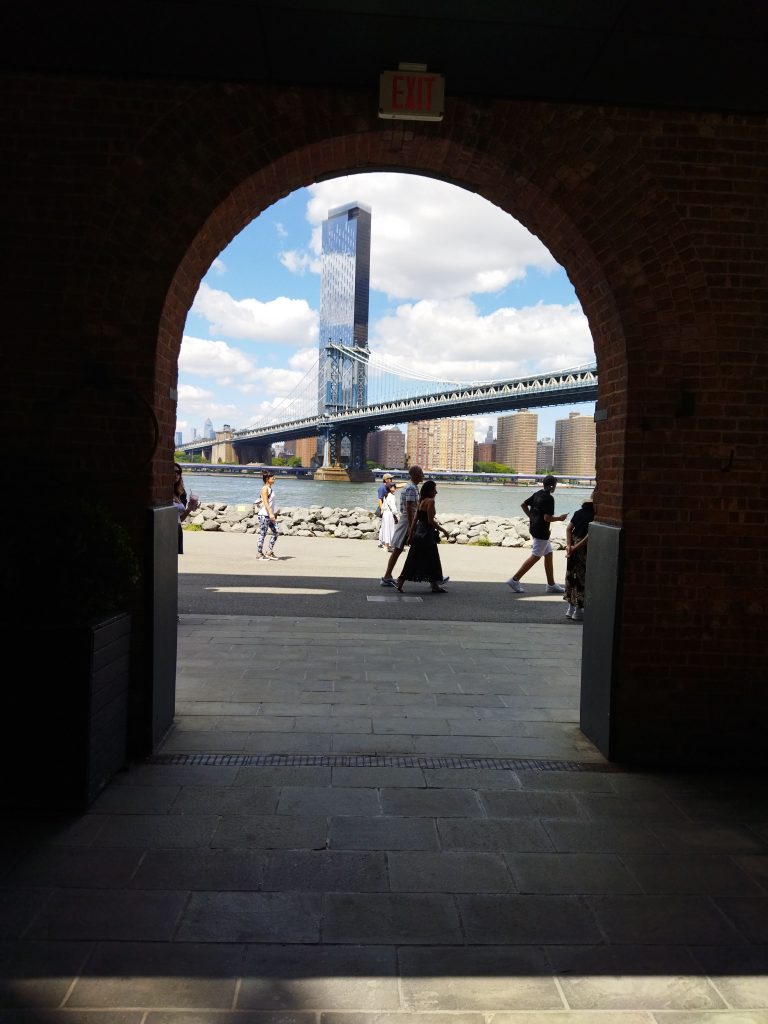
(117, 196)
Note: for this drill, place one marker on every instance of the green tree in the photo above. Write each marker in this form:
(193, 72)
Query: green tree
(492, 467)
(186, 457)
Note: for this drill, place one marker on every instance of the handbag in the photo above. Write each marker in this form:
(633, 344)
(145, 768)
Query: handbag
(422, 531)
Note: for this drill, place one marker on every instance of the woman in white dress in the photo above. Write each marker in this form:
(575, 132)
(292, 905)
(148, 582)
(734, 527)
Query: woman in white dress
(389, 517)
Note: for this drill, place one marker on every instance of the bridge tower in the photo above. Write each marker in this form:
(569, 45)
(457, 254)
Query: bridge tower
(342, 380)
(222, 449)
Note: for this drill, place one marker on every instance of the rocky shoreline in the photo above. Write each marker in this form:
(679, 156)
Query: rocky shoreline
(361, 524)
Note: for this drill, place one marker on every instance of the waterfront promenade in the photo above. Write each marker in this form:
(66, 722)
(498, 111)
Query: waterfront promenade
(323, 660)
(383, 812)
(323, 577)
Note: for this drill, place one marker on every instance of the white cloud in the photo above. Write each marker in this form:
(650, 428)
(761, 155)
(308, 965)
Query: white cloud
(219, 267)
(303, 359)
(432, 240)
(456, 343)
(281, 321)
(299, 262)
(213, 359)
(189, 393)
(227, 368)
(198, 404)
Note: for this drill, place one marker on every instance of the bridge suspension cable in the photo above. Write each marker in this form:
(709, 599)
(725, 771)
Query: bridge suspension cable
(394, 393)
(300, 403)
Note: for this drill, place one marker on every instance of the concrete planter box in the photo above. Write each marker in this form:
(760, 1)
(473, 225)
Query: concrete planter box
(67, 731)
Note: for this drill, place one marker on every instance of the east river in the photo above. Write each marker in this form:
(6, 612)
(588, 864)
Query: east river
(467, 498)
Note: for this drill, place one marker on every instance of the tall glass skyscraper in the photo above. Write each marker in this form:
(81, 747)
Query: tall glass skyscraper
(346, 266)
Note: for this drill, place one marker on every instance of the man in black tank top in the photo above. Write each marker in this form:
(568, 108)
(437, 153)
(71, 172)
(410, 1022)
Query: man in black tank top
(540, 509)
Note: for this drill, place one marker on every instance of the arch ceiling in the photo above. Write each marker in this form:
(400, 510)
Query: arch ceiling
(706, 55)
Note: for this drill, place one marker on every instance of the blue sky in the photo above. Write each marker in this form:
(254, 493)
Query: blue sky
(459, 290)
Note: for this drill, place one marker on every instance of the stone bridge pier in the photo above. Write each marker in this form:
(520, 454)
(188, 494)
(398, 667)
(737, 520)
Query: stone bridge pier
(344, 461)
(245, 452)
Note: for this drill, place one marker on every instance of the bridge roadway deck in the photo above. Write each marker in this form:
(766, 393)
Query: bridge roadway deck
(464, 400)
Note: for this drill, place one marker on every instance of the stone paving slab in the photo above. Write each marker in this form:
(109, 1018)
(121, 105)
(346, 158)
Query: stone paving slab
(418, 892)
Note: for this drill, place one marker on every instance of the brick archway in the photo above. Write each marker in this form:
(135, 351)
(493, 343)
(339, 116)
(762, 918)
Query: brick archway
(631, 202)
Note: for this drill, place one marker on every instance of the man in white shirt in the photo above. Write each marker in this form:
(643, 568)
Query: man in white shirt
(409, 502)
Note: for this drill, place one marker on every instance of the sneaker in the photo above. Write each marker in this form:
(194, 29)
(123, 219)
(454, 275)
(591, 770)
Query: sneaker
(555, 588)
(445, 579)
(387, 581)
(578, 615)
(569, 612)
(270, 554)
(516, 586)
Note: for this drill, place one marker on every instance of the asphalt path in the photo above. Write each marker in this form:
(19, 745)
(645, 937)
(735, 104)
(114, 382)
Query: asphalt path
(326, 577)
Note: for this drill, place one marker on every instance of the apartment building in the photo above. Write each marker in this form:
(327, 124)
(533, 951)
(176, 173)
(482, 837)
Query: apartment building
(441, 445)
(575, 446)
(516, 441)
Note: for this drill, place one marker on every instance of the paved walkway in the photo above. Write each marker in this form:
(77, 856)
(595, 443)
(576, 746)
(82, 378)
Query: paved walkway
(387, 821)
(378, 686)
(329, 578)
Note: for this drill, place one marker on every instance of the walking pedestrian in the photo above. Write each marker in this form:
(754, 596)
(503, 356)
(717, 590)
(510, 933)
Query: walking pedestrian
(576, 537)
(183, 505)
(389, 519)
(540, 509)
(409, 502)
(422, 563)
(267, 516)
(381, 494)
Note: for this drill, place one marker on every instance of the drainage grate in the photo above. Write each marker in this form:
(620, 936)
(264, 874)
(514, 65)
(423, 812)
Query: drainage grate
(377, 761)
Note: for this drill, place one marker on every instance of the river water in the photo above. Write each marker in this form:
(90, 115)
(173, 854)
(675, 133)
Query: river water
(469, 498)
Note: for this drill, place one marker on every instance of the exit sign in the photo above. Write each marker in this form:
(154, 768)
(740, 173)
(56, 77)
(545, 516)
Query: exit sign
(406, 95)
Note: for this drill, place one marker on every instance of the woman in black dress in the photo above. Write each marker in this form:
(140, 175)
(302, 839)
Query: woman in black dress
(423, 562)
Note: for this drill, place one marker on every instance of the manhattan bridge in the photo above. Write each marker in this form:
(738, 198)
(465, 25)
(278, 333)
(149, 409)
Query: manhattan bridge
(351, 391)
(364, 391)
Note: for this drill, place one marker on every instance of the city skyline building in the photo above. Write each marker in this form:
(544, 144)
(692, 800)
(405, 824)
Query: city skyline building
(387, 448)
(485, 451)
(545, 455)
(304, 447)
(516, 441)
(208, 430)
(575, 446)
(444, 444)
(344, 302)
